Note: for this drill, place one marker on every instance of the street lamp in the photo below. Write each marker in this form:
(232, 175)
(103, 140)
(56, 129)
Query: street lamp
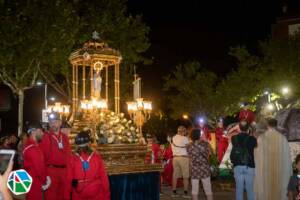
(39, 83)
(185, 116)
(52, 98)
(270, 107)
(139, 111)
(285, 90)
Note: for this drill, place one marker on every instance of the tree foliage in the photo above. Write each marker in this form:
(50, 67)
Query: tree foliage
(190, 89)
(274, 66)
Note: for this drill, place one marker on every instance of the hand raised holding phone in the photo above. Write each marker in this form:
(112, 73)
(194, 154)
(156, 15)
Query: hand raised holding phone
(3, 182)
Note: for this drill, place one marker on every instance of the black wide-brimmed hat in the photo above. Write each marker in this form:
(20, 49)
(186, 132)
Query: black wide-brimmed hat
(32, 126)
(83, 138)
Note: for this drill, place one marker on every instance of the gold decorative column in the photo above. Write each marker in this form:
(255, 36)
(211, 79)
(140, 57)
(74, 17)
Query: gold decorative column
(73, 89)
(117, 88)
(76, 86)
(92, 79)
(106, 83)
(83, 82)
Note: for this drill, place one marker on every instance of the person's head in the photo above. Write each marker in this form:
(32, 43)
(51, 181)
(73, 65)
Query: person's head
(181, 130)
(272, 123)
(246, 106)
(244, 126)
(23, 137)
(65, 128)
(83, 141)
(35, 131)
(195, 134)
(297, 163)
(13, 139)
(149, 139)
(220, 123)
(5, 141)
(54, 121)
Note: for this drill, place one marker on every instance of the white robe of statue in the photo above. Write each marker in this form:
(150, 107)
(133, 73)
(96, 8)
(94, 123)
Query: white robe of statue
(273, 166)
(97, 84)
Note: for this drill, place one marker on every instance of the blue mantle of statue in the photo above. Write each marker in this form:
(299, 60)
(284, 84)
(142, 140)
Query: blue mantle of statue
(137, 186)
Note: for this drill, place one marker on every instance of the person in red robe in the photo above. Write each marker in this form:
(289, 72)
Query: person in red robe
(247, 114)
(57, 153)
(34, 163)
(204, 130)
(155, 154)
(87, 178)
(167, 155)
(222, 140)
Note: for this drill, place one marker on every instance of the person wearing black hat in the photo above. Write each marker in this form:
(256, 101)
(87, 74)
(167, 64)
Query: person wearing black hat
(246, 114)
(86, 175)
(34, 162)
(57, 153)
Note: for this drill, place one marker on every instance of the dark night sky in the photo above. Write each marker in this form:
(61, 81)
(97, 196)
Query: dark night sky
(200, 30)
(186, 30)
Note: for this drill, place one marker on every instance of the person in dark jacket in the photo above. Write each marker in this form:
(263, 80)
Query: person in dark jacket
(242, 158)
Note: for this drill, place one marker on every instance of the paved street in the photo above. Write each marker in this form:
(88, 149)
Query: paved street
(218, 194)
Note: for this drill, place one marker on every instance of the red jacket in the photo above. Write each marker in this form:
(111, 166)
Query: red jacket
(52, 153)
(34, 162)
(205, 132)
(247, 115)
(219, 133)
(93, 184)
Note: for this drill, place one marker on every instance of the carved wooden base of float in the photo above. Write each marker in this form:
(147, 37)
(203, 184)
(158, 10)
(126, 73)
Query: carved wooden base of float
(126, 158)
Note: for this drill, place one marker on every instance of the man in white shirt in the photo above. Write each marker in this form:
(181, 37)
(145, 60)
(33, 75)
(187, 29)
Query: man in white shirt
(180, 161)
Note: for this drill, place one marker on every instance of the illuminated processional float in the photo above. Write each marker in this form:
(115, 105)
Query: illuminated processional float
(116, 138)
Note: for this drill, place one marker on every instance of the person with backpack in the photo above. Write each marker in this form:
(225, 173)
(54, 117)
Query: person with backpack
(242, 158)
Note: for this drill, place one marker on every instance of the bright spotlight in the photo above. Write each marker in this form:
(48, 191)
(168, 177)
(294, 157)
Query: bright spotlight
(39, 83)
(201, 120)
(285, 90)
(185, 116)
(52, 98)
(270, 106)
(266, 92)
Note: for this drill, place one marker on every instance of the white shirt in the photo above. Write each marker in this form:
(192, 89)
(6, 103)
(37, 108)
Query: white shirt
(179, 144)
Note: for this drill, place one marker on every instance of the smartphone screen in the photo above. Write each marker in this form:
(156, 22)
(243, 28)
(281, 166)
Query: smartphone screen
(5, 158)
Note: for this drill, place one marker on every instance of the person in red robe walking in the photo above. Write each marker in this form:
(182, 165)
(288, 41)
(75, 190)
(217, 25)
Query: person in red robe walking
(204, 129)
(156, 154)
(87, 178)
(167, 155)
(222, 140)
(247, 114)
(34, 163)
(57, 153)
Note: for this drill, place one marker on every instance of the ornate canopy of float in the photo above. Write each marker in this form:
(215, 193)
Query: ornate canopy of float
(117, 139)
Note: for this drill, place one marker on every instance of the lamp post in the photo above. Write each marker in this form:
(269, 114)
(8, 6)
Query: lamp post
(39, 83)
(139, 112)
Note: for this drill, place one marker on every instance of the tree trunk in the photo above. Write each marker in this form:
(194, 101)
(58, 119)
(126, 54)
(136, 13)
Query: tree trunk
(21, 108)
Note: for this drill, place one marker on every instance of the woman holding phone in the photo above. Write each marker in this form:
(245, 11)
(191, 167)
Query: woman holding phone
(4, 193)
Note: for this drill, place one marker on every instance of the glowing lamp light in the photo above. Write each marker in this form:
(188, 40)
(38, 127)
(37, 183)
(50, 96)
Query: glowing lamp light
(52, 98)
(147, 105)
(270, 106)
(185, 116)
(266, 92)
(285, 90)
(39, 83)
(201, 120)
(51, 116)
